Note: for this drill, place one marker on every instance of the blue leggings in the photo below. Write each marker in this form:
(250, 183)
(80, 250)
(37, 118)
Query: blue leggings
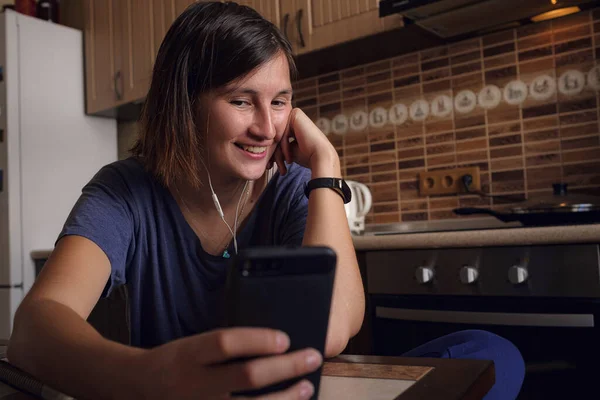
(481, 345)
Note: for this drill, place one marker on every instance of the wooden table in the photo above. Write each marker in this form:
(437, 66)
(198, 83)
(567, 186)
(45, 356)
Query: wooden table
(399, 378)
(385, 378)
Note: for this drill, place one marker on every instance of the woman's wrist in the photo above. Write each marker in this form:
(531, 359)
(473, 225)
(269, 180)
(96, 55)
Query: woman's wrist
(325, 165)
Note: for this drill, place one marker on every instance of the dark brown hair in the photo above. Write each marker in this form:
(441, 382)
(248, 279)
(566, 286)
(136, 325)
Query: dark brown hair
(208, 46)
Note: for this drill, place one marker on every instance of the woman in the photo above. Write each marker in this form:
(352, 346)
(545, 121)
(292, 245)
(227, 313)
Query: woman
(217, 116)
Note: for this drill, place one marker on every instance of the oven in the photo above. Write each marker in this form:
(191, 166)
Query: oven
(545, 299)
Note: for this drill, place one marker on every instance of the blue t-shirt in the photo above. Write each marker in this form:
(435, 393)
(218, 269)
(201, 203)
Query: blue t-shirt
(174, 286)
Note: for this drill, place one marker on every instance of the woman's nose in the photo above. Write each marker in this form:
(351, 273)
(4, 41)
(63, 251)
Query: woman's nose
(263, 125)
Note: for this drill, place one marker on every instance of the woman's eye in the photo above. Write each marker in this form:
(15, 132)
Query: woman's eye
(239, 103)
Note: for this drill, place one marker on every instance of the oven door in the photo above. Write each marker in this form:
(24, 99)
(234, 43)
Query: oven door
(401, 323)
(539, 297)
(557, 338)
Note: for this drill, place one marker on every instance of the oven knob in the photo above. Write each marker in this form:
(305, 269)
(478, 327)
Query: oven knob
(517, 274)
(468, 275)
(424, 275)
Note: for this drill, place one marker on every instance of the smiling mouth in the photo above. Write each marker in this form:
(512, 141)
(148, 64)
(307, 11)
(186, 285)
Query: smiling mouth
(252, 149)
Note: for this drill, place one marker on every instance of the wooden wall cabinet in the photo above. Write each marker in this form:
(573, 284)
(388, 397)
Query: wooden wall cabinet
(316, 24)
(122, 37)
(102, 55)
(138, 50)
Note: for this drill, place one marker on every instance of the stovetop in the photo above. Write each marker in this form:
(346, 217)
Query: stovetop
(438, 226)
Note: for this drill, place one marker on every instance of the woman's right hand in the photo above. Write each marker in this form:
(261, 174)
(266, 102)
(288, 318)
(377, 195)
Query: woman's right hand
(204, 366)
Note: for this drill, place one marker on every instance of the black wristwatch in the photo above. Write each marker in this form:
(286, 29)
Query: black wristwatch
(336, 184)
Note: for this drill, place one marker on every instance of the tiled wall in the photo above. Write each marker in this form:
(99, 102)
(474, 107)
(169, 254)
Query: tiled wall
(520, 149)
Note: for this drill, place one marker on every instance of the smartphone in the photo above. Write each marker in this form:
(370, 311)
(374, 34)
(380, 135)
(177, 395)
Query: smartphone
(285, 288)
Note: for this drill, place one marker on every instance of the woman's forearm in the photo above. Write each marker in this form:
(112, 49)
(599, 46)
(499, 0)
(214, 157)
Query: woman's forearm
(327, 225)
(54, 344)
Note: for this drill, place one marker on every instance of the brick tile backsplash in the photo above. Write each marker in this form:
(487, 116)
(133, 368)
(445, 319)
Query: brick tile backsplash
(389, 122)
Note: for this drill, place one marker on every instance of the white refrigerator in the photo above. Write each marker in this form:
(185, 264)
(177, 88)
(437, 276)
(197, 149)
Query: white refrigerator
(49, 148)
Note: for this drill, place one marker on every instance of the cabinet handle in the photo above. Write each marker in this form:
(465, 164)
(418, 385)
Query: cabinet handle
(1, 180)
(299, 25)
(286, 20)
(117, 89)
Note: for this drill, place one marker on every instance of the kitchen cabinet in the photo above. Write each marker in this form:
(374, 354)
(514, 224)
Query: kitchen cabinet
(102, 54)
(315, 24)
(122, 37)
(119, 51)
(137, 41)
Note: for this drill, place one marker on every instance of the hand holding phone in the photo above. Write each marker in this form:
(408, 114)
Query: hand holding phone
(284, 288)
(204, 366)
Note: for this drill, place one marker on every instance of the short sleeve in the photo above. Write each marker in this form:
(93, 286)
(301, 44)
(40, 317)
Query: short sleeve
(104, 215)
(295, 222)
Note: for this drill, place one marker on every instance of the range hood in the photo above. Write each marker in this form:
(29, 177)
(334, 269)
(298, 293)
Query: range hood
(450, 18)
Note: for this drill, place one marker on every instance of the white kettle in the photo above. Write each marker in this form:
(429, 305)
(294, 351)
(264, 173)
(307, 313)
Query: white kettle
(358, 207)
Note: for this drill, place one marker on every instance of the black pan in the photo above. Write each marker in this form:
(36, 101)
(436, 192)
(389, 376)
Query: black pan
(560, 208)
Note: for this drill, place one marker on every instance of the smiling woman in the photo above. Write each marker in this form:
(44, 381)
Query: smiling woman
(217, 118)
(200, 69)
(244, 122)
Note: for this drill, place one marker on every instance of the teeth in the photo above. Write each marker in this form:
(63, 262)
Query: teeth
(254, 149)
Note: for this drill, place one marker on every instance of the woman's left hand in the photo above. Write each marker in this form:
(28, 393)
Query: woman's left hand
(305, 144)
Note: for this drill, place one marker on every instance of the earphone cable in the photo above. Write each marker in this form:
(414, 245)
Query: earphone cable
(220, 210)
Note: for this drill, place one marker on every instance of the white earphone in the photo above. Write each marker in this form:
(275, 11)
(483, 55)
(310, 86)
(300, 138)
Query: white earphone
(222, 215)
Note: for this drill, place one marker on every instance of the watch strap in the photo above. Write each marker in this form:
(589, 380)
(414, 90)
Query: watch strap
(338, 185)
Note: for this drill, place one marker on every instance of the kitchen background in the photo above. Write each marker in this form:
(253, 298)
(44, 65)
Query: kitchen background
(521, 105)
(520, 149)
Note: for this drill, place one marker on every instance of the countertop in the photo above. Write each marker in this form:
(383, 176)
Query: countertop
(514, 236)
(495, 236)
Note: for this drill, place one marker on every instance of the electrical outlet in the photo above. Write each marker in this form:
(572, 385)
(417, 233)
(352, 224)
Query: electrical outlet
(448, 181)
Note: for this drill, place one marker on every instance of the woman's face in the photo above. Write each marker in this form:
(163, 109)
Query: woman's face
(246, 121)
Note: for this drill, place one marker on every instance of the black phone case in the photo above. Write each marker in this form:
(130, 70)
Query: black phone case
(285, 288)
